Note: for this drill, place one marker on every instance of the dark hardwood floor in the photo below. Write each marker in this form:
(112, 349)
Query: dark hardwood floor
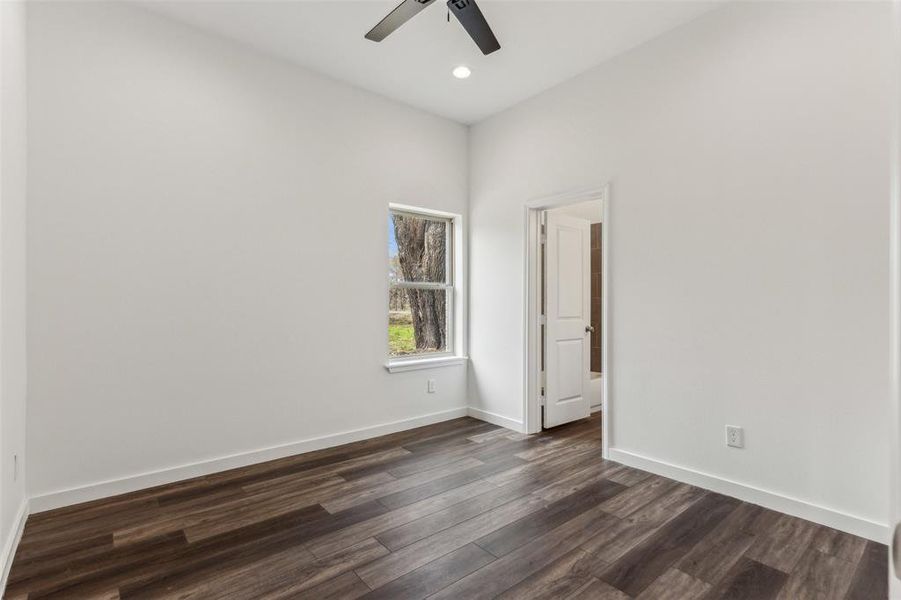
(456, 510)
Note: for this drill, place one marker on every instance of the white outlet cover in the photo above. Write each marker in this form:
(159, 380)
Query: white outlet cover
(735, 436)
(431, 386)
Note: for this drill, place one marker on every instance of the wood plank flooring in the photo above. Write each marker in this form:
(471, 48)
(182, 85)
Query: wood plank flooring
(460, 509)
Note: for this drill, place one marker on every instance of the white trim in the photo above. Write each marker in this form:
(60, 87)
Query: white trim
(606, 327)
(596, 408)
(415, 364)
(418, 210)
(12, 543)
(566, 198)
(532, 300)
(422, 285)
(131, 483)
(895, 312)
(496, 419)
(836, 519)
(531, 403)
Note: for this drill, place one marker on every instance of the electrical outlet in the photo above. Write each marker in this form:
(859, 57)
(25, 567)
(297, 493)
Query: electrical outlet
(735, 436)
(15, 467)
(432, 387)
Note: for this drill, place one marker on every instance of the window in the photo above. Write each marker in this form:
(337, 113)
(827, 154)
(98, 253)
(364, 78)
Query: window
(420, 284)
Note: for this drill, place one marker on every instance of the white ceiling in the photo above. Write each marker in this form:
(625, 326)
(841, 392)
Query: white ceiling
(542, 44)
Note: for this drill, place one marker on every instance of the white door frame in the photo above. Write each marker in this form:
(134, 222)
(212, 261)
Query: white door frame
(532, 346)
(895, 322)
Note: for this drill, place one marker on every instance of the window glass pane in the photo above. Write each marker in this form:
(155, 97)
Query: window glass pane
(417, 321)
(417, 249)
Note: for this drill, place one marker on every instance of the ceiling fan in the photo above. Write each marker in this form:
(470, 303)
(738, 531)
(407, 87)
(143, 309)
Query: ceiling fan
(466, 11)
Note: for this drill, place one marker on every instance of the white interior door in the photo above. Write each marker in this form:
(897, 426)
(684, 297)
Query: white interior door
(567, 319)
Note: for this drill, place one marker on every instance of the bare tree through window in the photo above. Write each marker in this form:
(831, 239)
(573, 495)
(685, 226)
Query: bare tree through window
(419, 284)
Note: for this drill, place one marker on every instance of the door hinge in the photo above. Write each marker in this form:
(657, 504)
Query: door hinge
(543, 236)
(542, 320)
(542, 394)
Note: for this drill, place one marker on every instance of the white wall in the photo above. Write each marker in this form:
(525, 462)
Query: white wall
(748, 159)
(208, 247)
(590, 210)
(13, 153)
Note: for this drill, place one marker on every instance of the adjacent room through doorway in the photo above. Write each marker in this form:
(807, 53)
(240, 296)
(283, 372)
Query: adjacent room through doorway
(565, 355)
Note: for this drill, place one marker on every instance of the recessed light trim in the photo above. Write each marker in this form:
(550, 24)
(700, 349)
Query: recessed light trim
(462, 72)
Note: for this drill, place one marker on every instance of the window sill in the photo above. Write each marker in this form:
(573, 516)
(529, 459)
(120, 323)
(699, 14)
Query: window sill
(414, 364)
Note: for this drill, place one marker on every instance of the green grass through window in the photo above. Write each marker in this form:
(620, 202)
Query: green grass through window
(400, 339)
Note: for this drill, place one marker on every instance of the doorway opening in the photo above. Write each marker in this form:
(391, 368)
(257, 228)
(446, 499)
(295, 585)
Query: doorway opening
(567, 362)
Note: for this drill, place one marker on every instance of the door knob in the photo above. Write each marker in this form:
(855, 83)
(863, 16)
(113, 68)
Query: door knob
(589, 329)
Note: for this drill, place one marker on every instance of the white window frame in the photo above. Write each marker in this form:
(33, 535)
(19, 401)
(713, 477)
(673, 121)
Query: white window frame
(455, 305)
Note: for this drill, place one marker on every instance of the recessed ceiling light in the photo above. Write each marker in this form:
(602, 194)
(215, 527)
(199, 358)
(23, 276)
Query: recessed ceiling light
(462, 72)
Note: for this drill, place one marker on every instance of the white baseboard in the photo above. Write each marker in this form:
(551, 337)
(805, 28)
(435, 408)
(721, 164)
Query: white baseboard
(12, 543)
(496, 419)
(113, 487)
(792, 506)
(597, 408)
